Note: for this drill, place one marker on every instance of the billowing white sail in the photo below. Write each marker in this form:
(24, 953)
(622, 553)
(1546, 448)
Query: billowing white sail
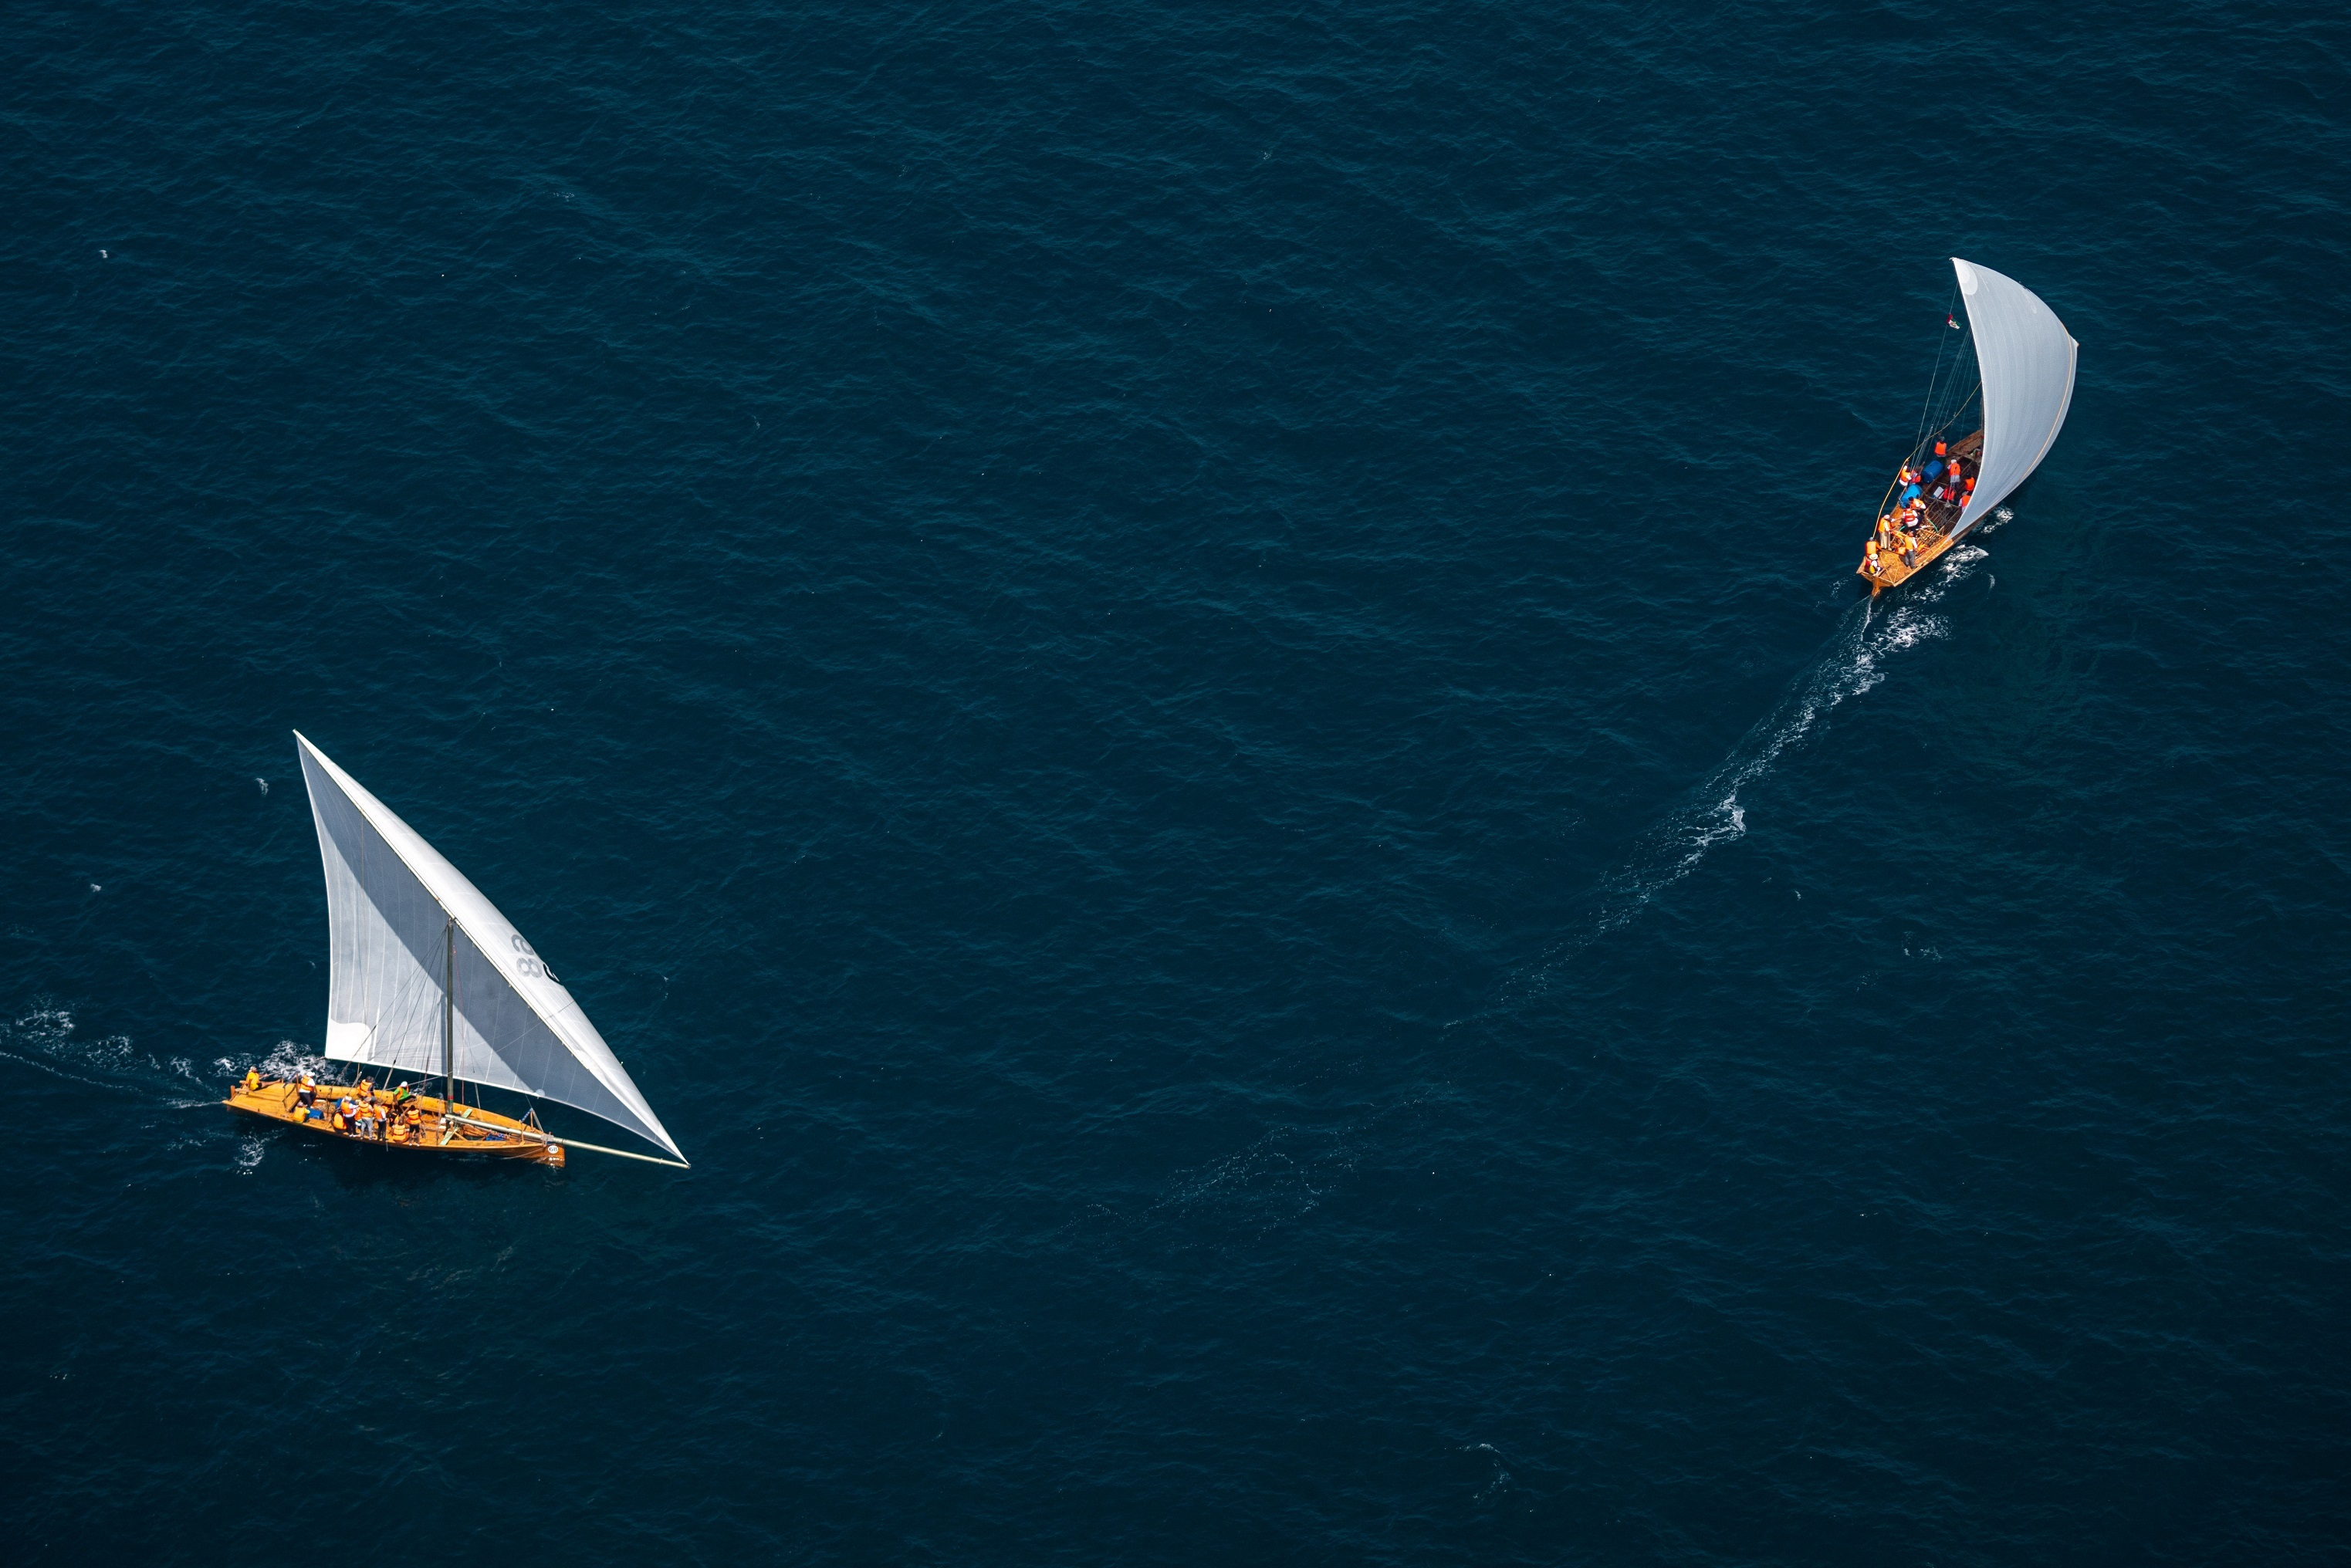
(396, 914)
(2027, 360)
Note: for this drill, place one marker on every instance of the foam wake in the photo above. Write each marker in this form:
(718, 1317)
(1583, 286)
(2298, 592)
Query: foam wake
(1849, 664)
(47, 1037)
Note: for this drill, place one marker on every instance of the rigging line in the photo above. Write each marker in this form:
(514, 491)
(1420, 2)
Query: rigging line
(1951, 408)
(573, 1143)
(1925, 411)
(1926, 408)
(1966, 352)
(1959, 408)
(1950, 416)
(624, 1154)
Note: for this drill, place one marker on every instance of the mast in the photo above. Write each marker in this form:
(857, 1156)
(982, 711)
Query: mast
(449, 1017)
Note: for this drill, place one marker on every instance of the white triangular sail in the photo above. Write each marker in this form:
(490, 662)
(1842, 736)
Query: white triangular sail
(2026, 357)
(396, 911)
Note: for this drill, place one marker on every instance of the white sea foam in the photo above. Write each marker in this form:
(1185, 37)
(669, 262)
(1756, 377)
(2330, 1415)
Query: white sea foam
(290, 1059)
(1501, 1480)
(1850, 663)
(1281, 1177)
(45, 1037)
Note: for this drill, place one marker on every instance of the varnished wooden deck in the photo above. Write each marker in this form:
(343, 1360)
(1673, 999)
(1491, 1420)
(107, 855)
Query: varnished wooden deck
(1893, 573)
(1932, 545)
(436, 1132)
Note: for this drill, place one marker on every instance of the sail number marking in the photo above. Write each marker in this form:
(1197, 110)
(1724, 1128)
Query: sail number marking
(529, 963)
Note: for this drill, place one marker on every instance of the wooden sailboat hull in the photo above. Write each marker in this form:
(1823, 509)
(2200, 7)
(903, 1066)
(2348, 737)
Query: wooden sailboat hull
(1893, 573)
(1892, 570)
(436, 1132)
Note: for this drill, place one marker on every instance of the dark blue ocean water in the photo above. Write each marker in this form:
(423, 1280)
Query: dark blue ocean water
(1184, 684)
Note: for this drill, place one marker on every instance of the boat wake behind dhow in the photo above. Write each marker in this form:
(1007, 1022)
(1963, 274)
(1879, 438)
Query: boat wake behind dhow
(1850, 662)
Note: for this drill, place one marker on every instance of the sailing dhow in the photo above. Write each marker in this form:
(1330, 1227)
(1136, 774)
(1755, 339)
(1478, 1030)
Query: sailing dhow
(2025, 364)
(429, 982)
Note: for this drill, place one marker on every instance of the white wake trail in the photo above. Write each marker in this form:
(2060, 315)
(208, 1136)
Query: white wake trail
(1849, 664)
